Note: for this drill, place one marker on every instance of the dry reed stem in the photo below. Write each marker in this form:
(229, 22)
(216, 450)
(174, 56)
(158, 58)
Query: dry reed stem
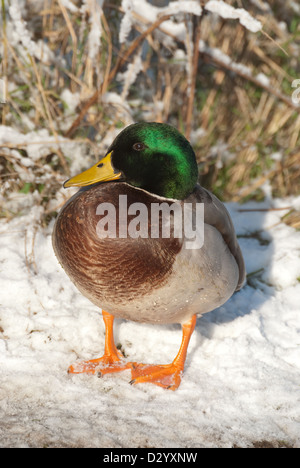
(72, 34)
(194, 65)
(50, 120)
(120, 61)
(4, 58)
(271, 90)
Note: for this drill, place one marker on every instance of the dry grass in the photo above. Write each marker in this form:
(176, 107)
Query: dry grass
(243, 120)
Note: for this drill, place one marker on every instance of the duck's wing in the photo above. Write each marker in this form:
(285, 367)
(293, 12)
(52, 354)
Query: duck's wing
(216, 215)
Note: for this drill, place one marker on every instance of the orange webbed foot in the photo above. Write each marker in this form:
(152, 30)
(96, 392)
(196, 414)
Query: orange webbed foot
(111, 361)
(106, 364)
(167, 376)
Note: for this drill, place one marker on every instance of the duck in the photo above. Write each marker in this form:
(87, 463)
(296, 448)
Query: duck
(145, 242)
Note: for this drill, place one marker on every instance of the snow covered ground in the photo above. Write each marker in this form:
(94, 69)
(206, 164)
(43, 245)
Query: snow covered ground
(241, 383)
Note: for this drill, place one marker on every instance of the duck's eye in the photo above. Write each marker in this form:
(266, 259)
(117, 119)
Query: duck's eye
(139, 146)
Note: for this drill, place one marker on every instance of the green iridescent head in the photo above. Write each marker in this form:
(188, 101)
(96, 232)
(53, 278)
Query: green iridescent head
(151, 156)
(157, 158)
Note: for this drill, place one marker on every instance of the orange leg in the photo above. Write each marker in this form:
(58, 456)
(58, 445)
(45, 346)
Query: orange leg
(112, 359)
(169, 375)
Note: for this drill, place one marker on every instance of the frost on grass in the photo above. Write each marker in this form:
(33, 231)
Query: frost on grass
(69, 5)
(129, 76)
(95, 33)
(18, 33)
(152, 13)
(224, 58)
(126, 23)
(227, 11)
(28, 154)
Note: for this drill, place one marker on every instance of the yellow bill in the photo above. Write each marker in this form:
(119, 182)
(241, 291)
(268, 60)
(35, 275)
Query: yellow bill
(101, 172)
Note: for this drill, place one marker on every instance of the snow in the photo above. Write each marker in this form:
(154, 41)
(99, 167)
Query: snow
(150, 12)
(69, 5)
(17, 32)
(227, 61)
(263, 79)
(71, 100)
(241, 382)
(126, 23)
(227, 11)
(223, 58)
(129, 76)
(96, 30)
(38, 142)
(141, 8)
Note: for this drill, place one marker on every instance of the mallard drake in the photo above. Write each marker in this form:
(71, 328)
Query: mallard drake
(127, 265)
